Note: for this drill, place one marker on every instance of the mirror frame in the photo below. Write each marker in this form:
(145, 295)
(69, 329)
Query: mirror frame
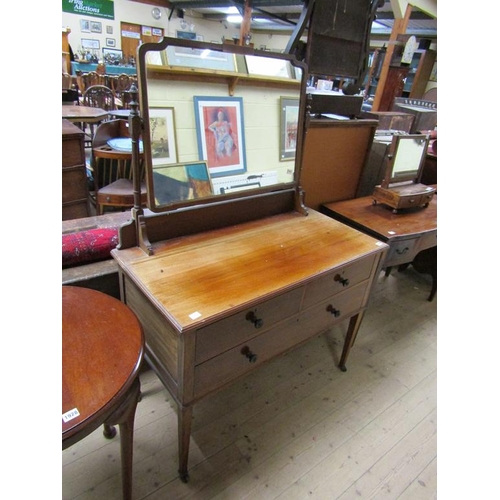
(232, 79)
(414, 176)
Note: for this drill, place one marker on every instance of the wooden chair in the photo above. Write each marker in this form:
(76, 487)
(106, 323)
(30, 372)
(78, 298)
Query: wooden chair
(112, 170)
(98, 96)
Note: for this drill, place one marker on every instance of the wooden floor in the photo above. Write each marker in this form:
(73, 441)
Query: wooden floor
(298, 427)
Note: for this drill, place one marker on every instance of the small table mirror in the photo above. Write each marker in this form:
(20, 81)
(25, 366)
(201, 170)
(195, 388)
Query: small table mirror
(401, 186)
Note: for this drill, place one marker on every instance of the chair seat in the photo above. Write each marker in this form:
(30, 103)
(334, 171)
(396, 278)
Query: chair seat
(120, 193)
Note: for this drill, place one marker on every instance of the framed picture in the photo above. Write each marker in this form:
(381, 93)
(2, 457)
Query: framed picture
(220, 133)
(110, 42)
(181, 182)
(84, 25)
(198, 58)
(88, 43)
(95, 27)
(269, 67)
(289, 120)
(162, 132)
(109, 30)
(112, 56)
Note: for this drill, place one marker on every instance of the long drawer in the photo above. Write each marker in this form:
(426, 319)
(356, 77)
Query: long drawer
(226, 367)
(238, 328)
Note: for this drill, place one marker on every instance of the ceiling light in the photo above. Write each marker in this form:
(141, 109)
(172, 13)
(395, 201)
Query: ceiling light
(234, 19)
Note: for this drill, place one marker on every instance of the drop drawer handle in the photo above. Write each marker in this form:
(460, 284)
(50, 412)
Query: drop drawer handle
(257, 322)
(401, 252)
(342, 281)
(251, 356)
(333, 311)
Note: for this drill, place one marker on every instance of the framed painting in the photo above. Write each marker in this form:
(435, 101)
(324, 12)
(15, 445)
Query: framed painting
(220, 133)
(84, 25)
(289, 120)
(181, 182)
(95, 27)
(163, 140)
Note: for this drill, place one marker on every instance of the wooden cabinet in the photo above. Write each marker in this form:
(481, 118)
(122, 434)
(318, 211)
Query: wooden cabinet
(218, 304)
(75, 194)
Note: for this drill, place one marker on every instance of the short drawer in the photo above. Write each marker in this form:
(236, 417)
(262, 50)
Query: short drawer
(229, 332)
(428, 240)
(401, 251)
(225, 368)
(74, 184)
(338, 281)
(411, 201)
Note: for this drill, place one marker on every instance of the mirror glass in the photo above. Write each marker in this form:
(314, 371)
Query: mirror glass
(220, 121)
(408, 156)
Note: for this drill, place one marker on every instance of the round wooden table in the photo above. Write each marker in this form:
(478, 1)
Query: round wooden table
(102, 350)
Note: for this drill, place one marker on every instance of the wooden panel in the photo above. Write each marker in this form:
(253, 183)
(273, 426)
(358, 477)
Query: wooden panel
(334, 158)
(159, 335)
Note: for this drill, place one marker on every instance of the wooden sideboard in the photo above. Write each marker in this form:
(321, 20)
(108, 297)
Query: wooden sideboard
(219, 303)
(75, 191)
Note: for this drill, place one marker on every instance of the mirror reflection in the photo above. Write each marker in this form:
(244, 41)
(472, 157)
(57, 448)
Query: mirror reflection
(408, 156)
(218, 120)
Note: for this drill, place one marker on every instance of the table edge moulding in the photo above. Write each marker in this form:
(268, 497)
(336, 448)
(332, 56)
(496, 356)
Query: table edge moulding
(227, 284)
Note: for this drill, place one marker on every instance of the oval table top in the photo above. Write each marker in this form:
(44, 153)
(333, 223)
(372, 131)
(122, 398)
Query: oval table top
(102, 349)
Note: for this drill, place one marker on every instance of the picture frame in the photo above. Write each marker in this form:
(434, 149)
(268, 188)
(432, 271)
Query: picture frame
(110, 42)
(109, 30)
(277, 68)
(289, 120)
(112, 56)
(220, 134)
(90, 43)
(202, 59)
(181, 182)
(84, 25)
(95, 27)
(162, 135)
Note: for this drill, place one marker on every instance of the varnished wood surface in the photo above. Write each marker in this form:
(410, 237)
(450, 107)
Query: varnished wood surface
(102, 348)
(380, 221)
(297, 428)
(199, 279)
(86, 114)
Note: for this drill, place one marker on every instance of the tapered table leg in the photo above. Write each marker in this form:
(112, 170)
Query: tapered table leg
(184, 418)
(352, 332)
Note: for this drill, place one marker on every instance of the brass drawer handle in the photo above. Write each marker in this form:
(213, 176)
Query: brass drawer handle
(333, 311)
(342, 281)
(252, 357)
(257, 322)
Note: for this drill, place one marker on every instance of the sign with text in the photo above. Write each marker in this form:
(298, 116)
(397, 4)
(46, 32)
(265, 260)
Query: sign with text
(94, 8)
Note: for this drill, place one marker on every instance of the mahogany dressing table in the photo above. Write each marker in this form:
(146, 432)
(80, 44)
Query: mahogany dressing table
(226, 283)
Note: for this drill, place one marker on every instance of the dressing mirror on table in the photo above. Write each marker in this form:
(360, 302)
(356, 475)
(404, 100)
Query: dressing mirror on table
(401, 187)
(226, 269)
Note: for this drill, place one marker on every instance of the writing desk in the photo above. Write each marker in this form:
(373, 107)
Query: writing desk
(215, 305)
(407, 233)
(102, 350)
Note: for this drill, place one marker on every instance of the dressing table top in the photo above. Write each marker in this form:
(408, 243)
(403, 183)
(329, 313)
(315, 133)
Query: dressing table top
(198, 279)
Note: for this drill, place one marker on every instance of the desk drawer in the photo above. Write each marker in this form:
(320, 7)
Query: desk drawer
(401, 251)
(335, 282)
(428, 240)
(225, 368)
(221, 336)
